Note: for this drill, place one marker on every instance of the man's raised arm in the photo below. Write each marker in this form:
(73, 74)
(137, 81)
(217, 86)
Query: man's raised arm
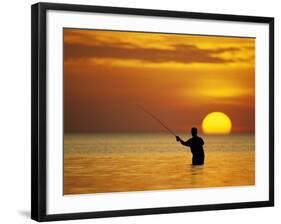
(181, 141)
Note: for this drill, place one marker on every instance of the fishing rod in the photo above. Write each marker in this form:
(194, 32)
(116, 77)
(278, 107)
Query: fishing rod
(157, 119)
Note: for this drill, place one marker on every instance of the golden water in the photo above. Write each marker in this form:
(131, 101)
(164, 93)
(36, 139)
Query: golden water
(139, 162)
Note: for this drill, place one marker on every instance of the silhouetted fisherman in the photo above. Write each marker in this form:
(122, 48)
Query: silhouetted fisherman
(196, 146)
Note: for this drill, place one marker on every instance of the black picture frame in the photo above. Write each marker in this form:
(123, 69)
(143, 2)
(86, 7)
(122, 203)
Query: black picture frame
(38, 108)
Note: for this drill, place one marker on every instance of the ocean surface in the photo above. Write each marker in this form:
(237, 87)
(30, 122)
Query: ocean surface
(99, 163)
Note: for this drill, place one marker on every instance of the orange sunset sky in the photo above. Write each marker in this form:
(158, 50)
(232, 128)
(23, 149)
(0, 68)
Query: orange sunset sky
(179, 78)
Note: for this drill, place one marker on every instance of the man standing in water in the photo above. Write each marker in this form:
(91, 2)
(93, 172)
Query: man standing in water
(196, 146)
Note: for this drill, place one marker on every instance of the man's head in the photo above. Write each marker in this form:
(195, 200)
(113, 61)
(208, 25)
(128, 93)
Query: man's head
(194, 132)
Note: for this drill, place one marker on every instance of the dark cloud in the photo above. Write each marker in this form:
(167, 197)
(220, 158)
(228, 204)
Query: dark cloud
(179, 53)
(74, 36)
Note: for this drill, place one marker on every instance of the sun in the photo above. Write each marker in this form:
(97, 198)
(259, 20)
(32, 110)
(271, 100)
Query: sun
(216, 123)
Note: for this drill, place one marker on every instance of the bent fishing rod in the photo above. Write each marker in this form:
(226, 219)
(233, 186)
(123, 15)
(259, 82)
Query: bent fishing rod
(157, 119)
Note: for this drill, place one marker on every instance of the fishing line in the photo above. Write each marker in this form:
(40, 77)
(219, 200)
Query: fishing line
(157, 119)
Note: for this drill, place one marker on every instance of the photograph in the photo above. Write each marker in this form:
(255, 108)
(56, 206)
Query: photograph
(146, 111)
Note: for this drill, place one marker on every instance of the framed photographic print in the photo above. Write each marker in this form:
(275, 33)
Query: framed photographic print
(139, 111)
